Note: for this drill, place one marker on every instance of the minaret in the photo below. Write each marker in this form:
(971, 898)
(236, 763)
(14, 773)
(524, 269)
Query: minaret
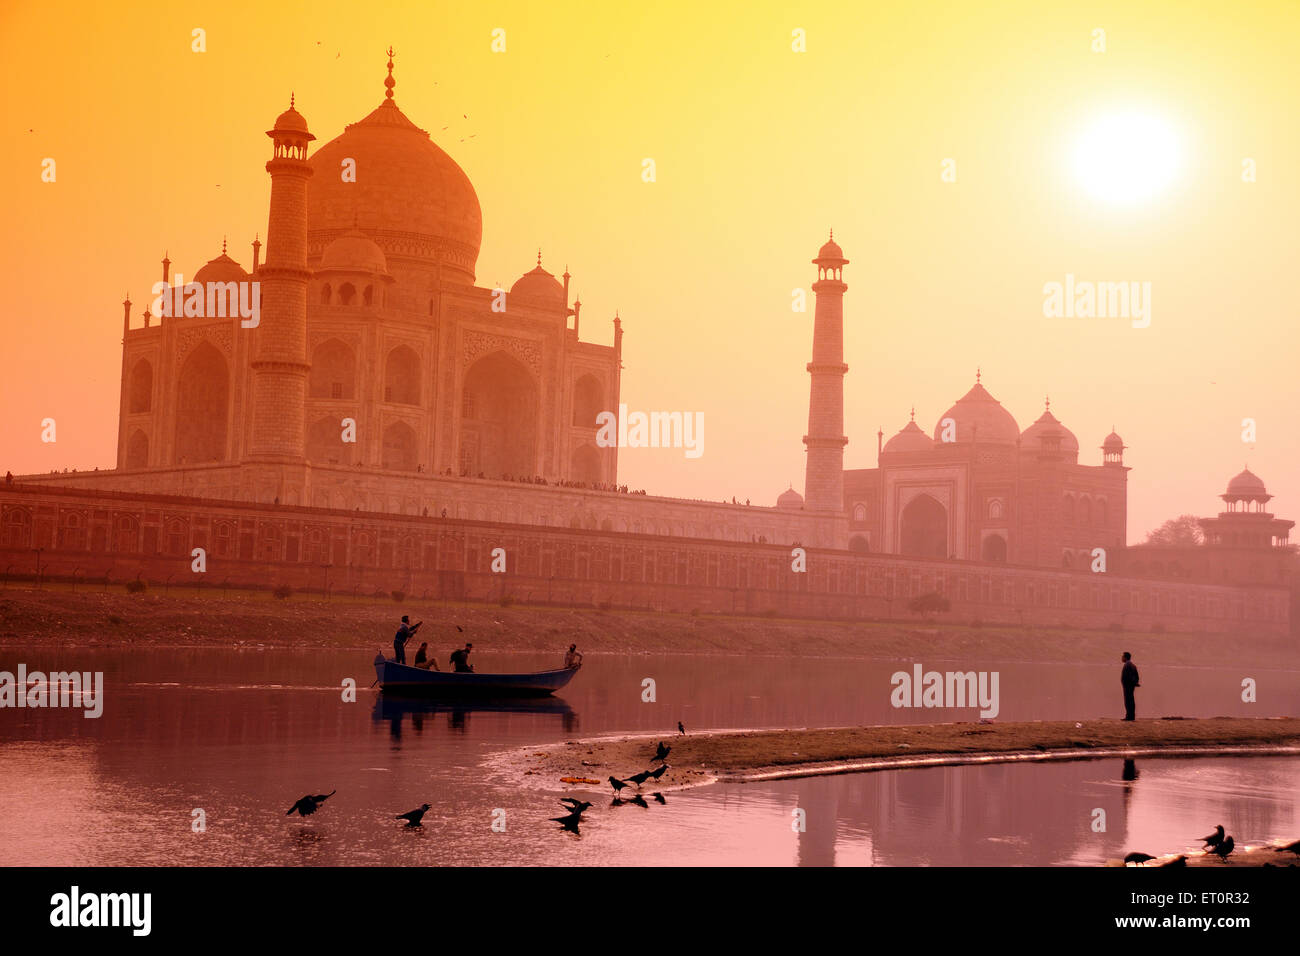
(824, 478)
(279, 347)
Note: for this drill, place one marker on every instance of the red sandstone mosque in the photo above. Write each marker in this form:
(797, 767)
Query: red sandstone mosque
(385, 421)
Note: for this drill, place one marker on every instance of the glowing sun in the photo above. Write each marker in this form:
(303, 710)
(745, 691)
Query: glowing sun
(1127, 157)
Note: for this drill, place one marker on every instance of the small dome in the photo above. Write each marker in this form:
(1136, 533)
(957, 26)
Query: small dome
(1113, 444)
(541, 285)
(291, 121)
(909, 439)
(221, 269)
(1046, 426)
(354, 252)
(980, 417)
(1246, 485)
(830, 250)
(789, 499)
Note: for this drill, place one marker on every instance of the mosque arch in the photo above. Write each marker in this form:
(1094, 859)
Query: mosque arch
(585, 466)
(1085, 511)
(859, 544)
(994, 549)
(588, 401)
(399, 447)
(333, 371)
(137, 450)
(141, 399)
(402, 376)
(202, 412)
(924, 531)
(347, 293)
(325, 445)
(859, 512)
(502, 436)
(325, 294)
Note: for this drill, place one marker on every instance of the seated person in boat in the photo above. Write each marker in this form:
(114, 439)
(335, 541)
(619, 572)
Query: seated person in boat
(460, 659)
(423, 660)
(573, 658)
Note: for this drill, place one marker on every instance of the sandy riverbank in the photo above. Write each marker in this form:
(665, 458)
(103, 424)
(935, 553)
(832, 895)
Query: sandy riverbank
(117, 619)
(700, 759)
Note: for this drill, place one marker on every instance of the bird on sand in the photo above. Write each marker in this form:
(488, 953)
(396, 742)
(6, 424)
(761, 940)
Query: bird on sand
(659, 798)
(1215, 838)
(412, 817)
(659, 771)
(575, 805)
(639, 801)
(1138, 858)
(617, 784)
(1223, 849)
(640, 778)
(1179, 860)
(1290, 848)
(309, 804)
(661, 754)
(680, 728)
(569, 822)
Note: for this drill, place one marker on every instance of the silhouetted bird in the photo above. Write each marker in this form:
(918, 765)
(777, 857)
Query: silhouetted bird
(617, 784)
(575, 806)
(662, 753)
(1215, 838)
(659, 771)
(640, 778)
(569, 822)
(680, 728)
(639, 801)
(412, 818)
(1138, 858)
(1290, 848)
(1179, 860)
(1223, 849)
(309, 804)
(659, 798)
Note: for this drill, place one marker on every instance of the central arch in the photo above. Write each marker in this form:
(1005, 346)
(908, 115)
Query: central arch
(202, 398)
(924, 528)
(499, 424)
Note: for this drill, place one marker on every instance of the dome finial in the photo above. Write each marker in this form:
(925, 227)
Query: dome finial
(913, 413)
(832, 235)
(389, 82)
(977, 375)
(539, 256)
(223, 245)
(1047, 400)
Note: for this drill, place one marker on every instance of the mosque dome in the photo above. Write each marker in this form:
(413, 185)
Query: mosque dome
(1246, 485)
(910, 439)
(980, 416)
(541, 285)
(221, 269)
(1113, 444)
(353, 252)
(291, 121)
(1045, 426)
(830, 250)
(789, 499)
(409, 195)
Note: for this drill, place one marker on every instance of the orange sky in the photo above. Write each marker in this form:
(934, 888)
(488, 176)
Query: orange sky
(759, 150)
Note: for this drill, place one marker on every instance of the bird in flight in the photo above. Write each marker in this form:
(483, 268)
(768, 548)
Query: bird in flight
(309, 804)
(575, 805)
(659, 798)
(412, 817)
(1215, 838)
(662, 753)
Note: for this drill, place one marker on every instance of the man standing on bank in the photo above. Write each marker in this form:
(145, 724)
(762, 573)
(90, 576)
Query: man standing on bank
(1128, 677)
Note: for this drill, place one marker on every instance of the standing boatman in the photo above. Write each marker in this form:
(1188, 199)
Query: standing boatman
(404, 634)
(1128, 678)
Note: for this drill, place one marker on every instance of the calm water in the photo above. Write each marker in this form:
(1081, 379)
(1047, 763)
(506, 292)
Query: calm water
(243, 733)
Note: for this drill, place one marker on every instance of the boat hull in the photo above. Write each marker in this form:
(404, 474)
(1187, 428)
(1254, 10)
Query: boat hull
(394, 678)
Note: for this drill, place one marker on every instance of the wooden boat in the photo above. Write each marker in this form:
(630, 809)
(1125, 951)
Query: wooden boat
(404, 679)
